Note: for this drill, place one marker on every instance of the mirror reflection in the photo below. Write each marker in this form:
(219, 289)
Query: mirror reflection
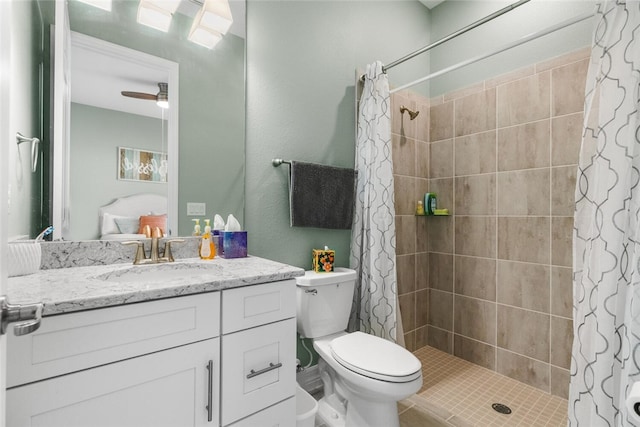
(211, 109)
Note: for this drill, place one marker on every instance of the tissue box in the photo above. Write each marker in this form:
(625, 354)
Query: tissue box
(234, 244)
(323, 260)
(24, 258)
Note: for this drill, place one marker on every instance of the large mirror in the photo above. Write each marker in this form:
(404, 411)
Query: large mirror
(211, 115)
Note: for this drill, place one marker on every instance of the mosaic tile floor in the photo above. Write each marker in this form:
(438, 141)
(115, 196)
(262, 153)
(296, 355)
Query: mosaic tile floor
(458, 393)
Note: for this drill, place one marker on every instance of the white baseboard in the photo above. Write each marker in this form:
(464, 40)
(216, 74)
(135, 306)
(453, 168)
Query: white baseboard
(309, 379)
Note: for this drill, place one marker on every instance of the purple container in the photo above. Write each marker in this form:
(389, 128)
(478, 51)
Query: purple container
(234, 244)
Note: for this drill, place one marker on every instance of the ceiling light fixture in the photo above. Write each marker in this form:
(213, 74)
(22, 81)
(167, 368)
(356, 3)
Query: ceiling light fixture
(100, 4)
(211, 22)
(157, 13)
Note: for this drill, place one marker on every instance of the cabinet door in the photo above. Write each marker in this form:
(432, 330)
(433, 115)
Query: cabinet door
(258, 369)
(168, 388)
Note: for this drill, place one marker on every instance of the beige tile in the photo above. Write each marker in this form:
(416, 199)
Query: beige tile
(524, 146)
(408, 311)
(568, 85)
(524, 332)
(444, 193)
(475, 319)
(524, 239)
(404, 193)
(423, 120)
(475, 153)
(441, 271)
(524, 285)
(475, 277)
(560, 382)
(566, 137)
(421, 337)
(410, 340)
(524, 192)
(441, 310)
(563, 184)
(524, 369)
(562, 291)
(564, 59)
(441, 159)
(422, 159)
(405, 234)
(415, 416)
(440, 234)
(562, 241)
(474, 351)
(476, 236)
(475, 113)
(422, 308)
(511, 76)
(561, 341)
(405, 267)
(524, 100)
(404, 155)
(469, 90)
(441, 121)
(440, 339)
(422, 234)
(475, 195)
(422, 270)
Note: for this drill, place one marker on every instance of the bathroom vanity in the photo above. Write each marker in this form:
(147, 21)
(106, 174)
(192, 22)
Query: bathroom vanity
(190, 343)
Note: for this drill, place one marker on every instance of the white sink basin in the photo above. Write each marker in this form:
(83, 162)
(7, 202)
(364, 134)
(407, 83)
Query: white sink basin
(159, 272)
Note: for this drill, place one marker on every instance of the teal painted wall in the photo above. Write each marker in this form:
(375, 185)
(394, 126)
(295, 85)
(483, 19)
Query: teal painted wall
(212, 109)
(96, 134)
(301, 62)
(526, 19)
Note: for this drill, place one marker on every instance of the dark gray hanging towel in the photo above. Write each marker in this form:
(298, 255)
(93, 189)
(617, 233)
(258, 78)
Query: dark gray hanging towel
(321, 196)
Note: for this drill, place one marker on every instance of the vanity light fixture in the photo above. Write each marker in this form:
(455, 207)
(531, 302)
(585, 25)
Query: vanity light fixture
(157, 13)
(100, 4)
(211, 22)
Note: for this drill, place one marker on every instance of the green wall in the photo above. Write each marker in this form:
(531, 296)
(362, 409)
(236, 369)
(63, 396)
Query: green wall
(524, 20)
(96, 134)
(212, 109)
(301, 68)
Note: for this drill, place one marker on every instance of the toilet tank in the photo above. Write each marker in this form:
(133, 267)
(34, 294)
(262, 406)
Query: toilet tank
(324, 302)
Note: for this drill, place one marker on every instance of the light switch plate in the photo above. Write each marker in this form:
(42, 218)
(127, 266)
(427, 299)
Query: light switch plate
(196, 209)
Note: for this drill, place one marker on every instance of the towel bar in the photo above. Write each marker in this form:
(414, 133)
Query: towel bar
(278, 162)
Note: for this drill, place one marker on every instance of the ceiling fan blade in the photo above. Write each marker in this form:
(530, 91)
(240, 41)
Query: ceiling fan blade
(139, 95)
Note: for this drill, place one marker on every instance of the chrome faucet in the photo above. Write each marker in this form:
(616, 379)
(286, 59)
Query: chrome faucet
(154, 255)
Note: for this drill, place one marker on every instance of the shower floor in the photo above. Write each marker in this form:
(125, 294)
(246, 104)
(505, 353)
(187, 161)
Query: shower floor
(459, 393)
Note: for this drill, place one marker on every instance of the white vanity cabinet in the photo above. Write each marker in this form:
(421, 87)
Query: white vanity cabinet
(222, 358)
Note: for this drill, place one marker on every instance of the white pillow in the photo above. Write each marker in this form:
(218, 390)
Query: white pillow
(109, 225)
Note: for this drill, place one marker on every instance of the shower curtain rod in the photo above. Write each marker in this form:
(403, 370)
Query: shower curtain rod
(508, 46)
(455, 34)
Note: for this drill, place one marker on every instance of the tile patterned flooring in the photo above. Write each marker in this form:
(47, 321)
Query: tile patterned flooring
(459, 393)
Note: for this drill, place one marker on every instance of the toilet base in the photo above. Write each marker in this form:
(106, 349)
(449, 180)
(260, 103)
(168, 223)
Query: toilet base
(331, 412)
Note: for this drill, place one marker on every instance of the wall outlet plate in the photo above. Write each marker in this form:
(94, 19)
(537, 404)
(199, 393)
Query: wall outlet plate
(196, 209)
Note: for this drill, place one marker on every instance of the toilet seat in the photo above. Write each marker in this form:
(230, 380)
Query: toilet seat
(375, 357)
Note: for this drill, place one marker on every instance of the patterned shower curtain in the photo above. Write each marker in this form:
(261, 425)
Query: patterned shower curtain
(373, 237)
(605, 360)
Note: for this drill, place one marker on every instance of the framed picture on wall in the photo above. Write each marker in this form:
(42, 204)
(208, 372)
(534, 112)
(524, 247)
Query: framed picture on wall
(141, 165)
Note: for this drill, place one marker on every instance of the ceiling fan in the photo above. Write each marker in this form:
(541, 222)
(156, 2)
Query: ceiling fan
(161, 98)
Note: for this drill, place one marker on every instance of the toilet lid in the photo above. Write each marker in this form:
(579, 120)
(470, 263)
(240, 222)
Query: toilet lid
(375, 357)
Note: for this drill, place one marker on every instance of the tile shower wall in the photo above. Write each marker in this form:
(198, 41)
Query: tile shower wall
(492, 282)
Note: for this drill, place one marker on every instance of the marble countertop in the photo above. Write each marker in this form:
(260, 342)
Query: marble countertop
(66, 290)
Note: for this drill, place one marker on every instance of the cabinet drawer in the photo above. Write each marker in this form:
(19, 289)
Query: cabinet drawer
(282, 414)
(76, 341)
(257, 305)
(168, 388)
(258, 369)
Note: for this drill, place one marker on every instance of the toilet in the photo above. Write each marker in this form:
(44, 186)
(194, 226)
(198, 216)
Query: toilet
(364, 376)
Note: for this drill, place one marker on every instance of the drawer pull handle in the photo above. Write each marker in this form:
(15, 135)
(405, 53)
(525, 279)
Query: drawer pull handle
(271, 367)
(210, 395)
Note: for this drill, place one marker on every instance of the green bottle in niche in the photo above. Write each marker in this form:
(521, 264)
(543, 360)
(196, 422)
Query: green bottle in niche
(430, 203)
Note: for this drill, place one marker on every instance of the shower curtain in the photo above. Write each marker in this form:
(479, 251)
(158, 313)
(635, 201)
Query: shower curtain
(373, 237)
(605, 360)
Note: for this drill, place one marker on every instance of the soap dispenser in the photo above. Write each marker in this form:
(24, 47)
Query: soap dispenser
(207, 249)
(196, 227)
